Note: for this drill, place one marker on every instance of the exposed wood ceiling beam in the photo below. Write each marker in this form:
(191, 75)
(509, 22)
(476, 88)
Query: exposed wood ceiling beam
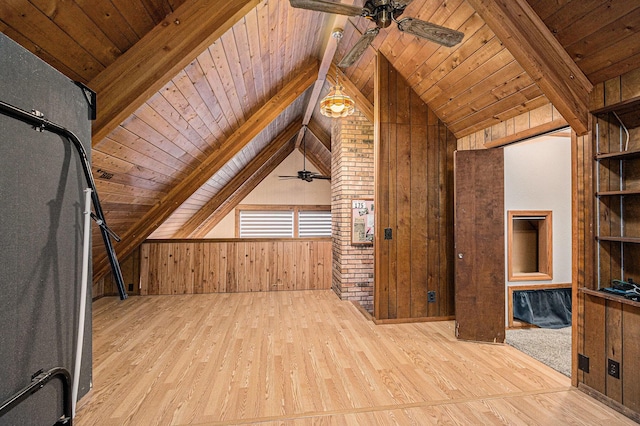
(249, 185)
(540, 54)
(317, 161)
(226, 151)
(362, 103)
(154, 60)
(327, 58)
(255, 165)
(316, 129)
(545, 128)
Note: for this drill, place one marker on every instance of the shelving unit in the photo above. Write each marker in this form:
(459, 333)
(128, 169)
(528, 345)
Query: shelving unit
(610, 347)
(617, 174)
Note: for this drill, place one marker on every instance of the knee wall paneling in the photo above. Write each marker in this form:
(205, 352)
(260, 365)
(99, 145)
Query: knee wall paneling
(229, 266)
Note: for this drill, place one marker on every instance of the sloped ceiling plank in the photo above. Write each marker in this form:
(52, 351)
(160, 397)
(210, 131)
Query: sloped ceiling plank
(256, 38)
(223, 153)
(592, 22)
(245, 174)
(619, 58)
(478, 49)
(512, 78)
(602, 39)
(249, 185)
(114, 23)
(25, 23)
(458, 93)
(541, 55)
(546, 8)
(142, 70)
(362, 103)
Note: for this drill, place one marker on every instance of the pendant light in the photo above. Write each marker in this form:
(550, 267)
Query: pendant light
(337, 103)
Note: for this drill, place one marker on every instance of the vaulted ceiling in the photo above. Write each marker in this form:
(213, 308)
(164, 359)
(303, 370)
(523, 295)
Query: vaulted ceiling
(199, 100)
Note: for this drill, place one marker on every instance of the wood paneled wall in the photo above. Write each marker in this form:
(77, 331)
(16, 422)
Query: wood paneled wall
(414, 199)
(611, 332)
(238, 265)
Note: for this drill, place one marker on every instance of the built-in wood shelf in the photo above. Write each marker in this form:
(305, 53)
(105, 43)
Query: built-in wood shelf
(632, 240)
(634, 153)
(618, 193)
(608, 296)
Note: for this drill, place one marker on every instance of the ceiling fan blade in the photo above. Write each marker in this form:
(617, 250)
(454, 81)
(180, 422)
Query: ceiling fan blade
(321, 177)
(427, 30)
(358, 49)
(327, 6)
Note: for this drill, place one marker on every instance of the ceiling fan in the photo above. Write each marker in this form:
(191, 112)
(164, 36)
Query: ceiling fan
(304, 174)
(382, 12)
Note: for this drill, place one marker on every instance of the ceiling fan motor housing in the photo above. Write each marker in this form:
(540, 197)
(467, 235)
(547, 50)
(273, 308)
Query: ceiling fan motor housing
(382, 12)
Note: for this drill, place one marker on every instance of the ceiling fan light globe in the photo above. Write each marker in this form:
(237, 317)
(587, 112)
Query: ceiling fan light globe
(337, 104)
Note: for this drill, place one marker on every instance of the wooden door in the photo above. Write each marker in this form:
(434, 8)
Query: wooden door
(479, 245)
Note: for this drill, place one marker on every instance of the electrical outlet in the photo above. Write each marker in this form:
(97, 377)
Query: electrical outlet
(613, 368)
(431, 297)
(388, 234)
(583, 363)
(130, 287)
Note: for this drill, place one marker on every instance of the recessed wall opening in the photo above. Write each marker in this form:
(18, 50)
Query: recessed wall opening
(530, 245)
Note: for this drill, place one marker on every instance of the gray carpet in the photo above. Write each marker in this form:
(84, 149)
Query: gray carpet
(549, 346)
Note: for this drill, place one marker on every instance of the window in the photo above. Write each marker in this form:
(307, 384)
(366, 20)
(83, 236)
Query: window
(266, 224)
(314, 223)
(272, 221)
(530, 245)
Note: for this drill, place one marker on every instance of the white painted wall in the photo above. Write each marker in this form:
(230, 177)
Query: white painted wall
(538, 177)
(273, 190)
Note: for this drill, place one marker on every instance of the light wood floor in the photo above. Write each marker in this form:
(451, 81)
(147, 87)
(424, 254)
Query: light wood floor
(308, 358)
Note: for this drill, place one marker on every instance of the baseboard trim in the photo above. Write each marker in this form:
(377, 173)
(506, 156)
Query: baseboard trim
(410, 320)
(610, 402)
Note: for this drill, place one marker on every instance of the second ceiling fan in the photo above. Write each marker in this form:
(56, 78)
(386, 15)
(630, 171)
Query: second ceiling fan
(304, 174)
(382, 12)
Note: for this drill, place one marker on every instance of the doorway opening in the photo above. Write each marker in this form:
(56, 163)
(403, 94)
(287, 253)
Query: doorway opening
(537, 211)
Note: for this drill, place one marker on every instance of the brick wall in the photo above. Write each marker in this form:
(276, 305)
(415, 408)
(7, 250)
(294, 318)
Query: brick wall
(351, 177)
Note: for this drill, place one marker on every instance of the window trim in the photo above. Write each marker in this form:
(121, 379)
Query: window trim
(277, 207)
(545, 251)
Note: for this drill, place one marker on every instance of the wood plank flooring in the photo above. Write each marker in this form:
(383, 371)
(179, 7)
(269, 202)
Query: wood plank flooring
(305, 357)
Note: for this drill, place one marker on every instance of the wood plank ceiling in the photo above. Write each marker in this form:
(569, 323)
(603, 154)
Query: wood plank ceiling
(191, 114)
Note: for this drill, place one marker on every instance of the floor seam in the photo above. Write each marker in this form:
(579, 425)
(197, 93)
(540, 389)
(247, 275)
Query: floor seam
(371, 409)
